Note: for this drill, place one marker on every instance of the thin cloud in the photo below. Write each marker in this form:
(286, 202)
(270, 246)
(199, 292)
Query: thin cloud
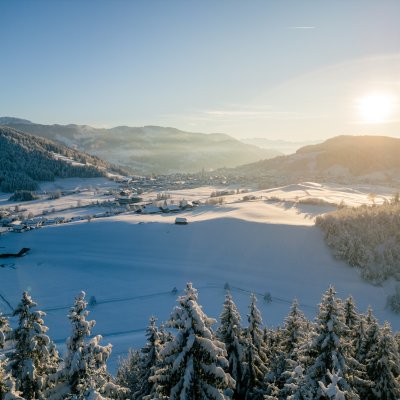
(224, 113)
(258, 114)
(301, 27)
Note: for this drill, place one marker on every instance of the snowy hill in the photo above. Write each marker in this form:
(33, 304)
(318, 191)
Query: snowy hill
(130, 263)
(151, 149)
(346, 159)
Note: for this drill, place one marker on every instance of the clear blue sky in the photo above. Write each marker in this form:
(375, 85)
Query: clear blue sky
(279, 69)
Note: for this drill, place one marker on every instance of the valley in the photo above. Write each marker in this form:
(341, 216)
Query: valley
(261, 241)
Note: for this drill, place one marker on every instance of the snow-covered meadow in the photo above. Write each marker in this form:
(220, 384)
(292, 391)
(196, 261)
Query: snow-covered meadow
(131, 262)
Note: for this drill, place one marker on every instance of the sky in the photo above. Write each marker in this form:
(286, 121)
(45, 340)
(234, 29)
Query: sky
(294, 70)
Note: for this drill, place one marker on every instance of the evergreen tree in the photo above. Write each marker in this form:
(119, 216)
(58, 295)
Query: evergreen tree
(7, 385)
(4, 331)
(368, 343)
(194, 360)
(383, 366)
(360, 337)
(328, 350)
(355, 337)
(295, 387)
(84, 371)
(165, 336)
(7, 381)
(255, 365)
(293, 338)
(294, 331)
(149, 361)
(230, 333)
(128, 374)
(276, 359)
(332, 391)
(351, 319)
(30, 362)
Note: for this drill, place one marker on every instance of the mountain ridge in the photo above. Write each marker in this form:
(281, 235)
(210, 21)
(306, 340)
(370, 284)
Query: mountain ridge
(366, 159)
(27, 159)
(152, 149)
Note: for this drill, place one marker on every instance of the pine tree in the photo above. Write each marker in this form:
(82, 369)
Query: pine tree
(255, 365)
(4, 331)
(332, 391)
(7, 385)
(165, 336)
(383, 366)
(230, 333)
(149, 361)
(293, 338)
(355, 337)
(367, 337)
(30, 362)
(328, 350)
(360, 337)
(84, 370)
(295, 387)
(275, 357)
(294, 332)
(128, 374)
(7, 382)
(194, 360)
(351, 318)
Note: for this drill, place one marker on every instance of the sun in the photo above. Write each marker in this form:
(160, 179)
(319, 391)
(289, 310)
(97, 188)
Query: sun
(375, 108)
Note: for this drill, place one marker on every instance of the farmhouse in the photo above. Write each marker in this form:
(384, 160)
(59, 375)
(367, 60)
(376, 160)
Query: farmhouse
(170, 208)
(150, 209)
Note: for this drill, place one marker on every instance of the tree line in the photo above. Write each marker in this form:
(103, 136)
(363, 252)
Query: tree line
(341, 355)
(367, 237)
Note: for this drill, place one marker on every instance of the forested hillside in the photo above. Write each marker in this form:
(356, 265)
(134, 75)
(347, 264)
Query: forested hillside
(342, 159)
(25, 160)
(367, 237)
(150, 149)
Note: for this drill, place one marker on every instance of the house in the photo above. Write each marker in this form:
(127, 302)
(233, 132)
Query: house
(170, 208)
(129, 199)
(181, 221)
(31, 223)
(186, 205)
(18, 227)
(150, 209)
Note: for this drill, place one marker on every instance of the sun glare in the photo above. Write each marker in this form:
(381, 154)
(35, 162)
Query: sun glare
(375, 108)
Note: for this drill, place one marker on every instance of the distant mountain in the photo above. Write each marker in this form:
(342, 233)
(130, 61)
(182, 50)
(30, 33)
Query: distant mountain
(373, 159)
(13, 121)
(152, 149)
(26, 159)
(282, 146)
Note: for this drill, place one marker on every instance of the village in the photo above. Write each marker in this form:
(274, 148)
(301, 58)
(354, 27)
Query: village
(21, 218)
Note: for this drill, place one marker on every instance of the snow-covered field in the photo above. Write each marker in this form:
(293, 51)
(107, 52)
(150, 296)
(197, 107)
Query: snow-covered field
(131, 262)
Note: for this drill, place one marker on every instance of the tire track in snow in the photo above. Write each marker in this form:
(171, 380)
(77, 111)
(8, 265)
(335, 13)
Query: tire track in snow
(106, 335)
(273, 298)
(8, 304)
(168, 293)
(112, 300)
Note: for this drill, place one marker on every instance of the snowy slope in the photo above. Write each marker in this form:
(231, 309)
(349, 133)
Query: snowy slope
(130, 264)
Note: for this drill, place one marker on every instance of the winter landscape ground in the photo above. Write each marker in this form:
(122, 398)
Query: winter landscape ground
(199, 200)
(131, 262)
